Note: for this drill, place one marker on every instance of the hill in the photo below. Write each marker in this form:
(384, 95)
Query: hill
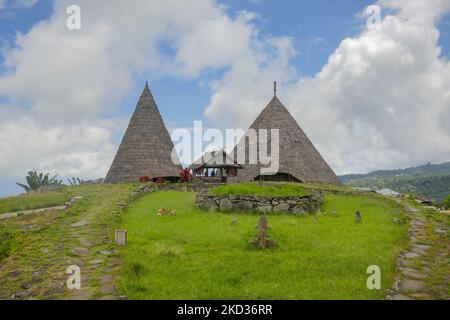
(429, 179)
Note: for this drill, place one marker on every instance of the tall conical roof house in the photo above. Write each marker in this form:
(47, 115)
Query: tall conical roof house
(146, 148)
(299, 160)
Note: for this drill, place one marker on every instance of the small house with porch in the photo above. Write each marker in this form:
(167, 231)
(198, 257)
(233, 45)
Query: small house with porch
(215, 167)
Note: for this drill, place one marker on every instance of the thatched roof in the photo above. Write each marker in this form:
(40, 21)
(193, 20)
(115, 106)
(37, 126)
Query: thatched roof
(297, 155)
(215, 159)
(146, 147)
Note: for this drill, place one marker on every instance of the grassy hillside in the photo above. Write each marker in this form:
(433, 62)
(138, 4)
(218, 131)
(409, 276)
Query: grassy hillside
(431, 180)
(199, 255)
(34, 201)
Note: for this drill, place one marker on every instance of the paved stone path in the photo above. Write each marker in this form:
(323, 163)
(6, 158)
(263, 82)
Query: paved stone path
(424, 267)
(51, 242)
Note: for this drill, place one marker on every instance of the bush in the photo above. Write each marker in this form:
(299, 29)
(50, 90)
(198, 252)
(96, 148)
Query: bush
(186, 175)
(6, 239)
(446, 203)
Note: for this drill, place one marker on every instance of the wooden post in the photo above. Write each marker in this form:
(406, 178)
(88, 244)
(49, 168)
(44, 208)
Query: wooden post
(120, 237)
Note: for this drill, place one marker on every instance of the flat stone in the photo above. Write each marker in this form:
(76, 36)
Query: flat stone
(81, 251)
(399, 296)
(53, 292)
(86, 243)
(20, 294)
(80, 295)
(82, 223)
(225, 205)
(106, 253)
(107, 279)
(264, 209)
(96, 261)
(421, 246)
(410, 255)
(282, 208)
(411, 285)
(415, 275)
(108, 289)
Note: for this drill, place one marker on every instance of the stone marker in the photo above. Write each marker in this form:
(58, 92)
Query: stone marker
(121, 237)
(262, 240)
(358, 217)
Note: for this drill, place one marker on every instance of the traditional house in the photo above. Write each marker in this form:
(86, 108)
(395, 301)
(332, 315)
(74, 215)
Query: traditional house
(146, 149)
(299, 160)
(216, 166)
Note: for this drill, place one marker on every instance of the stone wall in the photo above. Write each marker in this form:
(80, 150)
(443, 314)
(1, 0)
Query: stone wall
(295, 205)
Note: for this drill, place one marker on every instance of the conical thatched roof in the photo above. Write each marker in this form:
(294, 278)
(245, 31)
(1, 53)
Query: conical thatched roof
(146, 147)
(299, 159)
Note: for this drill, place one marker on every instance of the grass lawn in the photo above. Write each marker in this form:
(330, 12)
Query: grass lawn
(34, 201)
(199, 255)
(253, 189)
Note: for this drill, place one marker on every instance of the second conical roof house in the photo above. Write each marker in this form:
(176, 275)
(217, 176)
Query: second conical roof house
(299, 160)
(146, 149)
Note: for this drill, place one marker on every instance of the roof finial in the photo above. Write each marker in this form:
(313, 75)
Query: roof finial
(275, 89)
(146, 83)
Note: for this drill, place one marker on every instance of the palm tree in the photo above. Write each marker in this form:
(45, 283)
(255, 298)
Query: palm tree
(36, 180)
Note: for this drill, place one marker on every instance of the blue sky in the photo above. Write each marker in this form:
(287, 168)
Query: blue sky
(307, 33)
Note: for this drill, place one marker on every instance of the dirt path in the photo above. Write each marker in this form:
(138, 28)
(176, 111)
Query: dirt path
(51, 242)
(425, 267)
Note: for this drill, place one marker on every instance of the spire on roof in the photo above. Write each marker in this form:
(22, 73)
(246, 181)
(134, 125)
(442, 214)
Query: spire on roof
(275, 89)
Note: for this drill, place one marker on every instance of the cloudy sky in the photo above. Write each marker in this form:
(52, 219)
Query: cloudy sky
(369, 98)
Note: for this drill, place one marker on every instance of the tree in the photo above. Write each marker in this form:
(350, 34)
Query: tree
(447, 202)
(36, 180)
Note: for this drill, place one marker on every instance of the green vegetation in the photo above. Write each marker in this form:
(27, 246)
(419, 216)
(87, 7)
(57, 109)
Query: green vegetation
(253, 189)
(430, 180)
(7, 236)
(197, 255)
(444, 203)
(34, 201)
(44, 242)
(36, 180)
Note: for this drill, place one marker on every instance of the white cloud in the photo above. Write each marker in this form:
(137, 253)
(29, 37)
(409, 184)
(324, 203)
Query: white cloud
(381, 101)
(68, 79)
(81, 150)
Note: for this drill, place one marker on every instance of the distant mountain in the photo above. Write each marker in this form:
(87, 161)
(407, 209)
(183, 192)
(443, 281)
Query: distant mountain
(429, 179)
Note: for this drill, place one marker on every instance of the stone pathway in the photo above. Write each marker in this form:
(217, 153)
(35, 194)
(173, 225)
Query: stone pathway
(424, 267)
(51, 242)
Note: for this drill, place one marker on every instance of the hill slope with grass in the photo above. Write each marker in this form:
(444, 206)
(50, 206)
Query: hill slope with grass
(430, 180)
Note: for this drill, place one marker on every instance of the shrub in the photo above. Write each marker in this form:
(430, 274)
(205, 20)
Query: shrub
(144, 179)
(186, 175)
(36, 180)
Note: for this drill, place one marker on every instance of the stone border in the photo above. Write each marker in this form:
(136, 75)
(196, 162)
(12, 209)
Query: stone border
(295, 205)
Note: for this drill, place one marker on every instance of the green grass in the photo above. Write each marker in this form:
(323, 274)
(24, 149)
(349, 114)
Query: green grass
(253, 189)
(7, 235)
(198, 255)
(34, 201)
